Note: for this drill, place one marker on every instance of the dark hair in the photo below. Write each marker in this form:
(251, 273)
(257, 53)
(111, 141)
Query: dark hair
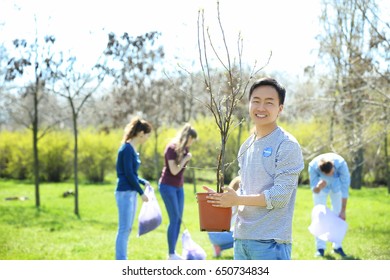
(269, 82)
(325, 166)
(135, 126)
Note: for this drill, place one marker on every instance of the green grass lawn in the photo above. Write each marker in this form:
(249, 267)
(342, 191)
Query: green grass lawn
(55, 233)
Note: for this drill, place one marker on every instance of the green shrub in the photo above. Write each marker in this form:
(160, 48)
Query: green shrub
(16, 155)
(98, 151)
(5, 152)
(97, 154)
(56, 156)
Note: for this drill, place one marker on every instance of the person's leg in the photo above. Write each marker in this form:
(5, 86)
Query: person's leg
(127, 205)
(320, 199)
(180, 202)
(263, 250)
(222, 239)
(240, 248)
(174, 207)
(336, 201)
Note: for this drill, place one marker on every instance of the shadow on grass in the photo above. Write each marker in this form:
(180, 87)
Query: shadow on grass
(335, 257)
(222, 258)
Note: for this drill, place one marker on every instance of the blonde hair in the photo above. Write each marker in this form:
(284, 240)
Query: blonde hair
(181, 140)
(135, 126)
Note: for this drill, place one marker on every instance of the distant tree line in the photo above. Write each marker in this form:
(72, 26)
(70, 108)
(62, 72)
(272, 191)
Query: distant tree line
(345, 97)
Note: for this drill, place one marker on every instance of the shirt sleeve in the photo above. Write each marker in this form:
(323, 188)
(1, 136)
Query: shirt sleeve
(129, 163)
(170, 154)
(345, 179)
(314, 175)
(289, 163)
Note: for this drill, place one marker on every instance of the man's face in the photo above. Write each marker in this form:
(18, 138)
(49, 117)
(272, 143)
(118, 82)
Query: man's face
(264, 106)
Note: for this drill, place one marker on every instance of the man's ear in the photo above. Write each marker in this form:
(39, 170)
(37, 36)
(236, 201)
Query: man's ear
(281, 106)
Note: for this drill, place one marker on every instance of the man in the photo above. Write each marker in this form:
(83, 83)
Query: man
(270, 162)
(329, 176)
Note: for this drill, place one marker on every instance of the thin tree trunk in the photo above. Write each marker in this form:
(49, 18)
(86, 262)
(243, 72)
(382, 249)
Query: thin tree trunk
(194, 178)
(357, 172)
(221, 164)
(156, 155)
(75, 161)
(387, 162)
(35, 147)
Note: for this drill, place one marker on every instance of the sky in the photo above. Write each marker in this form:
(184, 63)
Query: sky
(287, 28)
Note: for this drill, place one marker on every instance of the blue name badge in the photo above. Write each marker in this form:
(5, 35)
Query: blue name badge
(267, 152)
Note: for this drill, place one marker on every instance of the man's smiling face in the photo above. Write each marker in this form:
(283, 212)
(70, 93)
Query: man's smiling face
(264, 106)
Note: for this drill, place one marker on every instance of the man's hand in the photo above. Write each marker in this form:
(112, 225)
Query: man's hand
(228, 198)
(342, 215)
(321, 184)
(209, 190)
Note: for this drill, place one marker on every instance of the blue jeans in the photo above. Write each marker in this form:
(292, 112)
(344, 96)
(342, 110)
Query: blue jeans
(222, 239)
(245, 249)
(127, 206)
(173, 198)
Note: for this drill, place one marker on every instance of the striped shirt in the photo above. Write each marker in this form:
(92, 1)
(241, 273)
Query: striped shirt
(269, 165)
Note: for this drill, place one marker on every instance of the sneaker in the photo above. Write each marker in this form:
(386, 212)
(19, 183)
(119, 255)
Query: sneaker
(174, 257)
(320, 253)
(217, 251)
(340, 252)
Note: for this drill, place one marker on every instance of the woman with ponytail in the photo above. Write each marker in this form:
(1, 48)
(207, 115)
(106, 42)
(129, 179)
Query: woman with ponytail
(128, 182)
(171, 182)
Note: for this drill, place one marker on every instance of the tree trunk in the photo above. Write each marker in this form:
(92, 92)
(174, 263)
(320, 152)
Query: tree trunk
(193, 178)
(387, 162)
(221, 164)
(75, 161)
(239, 135)
(75, 166)
(357, 172)
(35, 147)
(157, 169)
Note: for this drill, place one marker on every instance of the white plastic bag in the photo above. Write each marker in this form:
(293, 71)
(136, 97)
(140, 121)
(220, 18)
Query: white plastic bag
(326, 225)
(191, 250)
(150, 214)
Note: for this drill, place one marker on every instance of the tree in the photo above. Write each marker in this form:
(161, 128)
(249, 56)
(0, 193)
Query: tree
(39, 56)
(77, 88)
(380, 45)
(3, 67)
(140, 89)
(133, 66)
(350, 48)
(224, 95)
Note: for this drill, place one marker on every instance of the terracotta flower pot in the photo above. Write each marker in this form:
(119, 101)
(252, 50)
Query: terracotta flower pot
(212, 218)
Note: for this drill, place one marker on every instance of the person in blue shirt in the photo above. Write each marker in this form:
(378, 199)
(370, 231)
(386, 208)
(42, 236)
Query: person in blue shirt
(329, 176)
(128, 182)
